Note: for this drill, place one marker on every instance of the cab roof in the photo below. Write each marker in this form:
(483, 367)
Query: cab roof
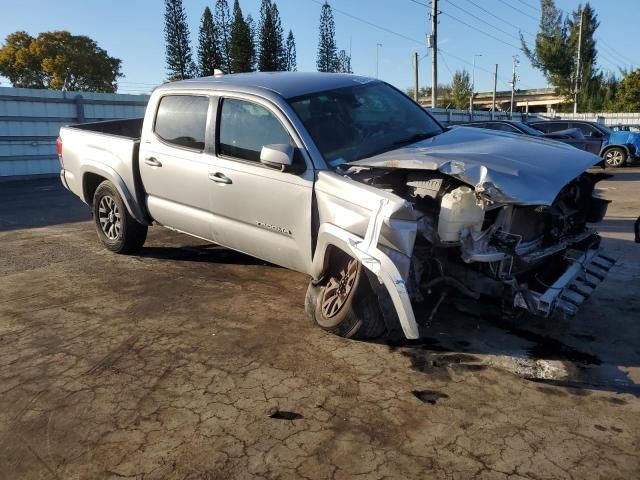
(286, 84)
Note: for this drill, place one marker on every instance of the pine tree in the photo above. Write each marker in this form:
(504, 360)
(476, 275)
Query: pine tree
(176, 33)
(556, 48)
(241, 44)
(327, 60)
(251, 25)
(223, 27)
(268, 49)
(460, 89)
(590, 81)
(344, 62)
(209, 57)
(291, 63)
(279, 46)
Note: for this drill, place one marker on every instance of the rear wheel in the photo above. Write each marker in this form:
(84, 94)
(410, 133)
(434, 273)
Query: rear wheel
(615, 157)
(346, 304)
(117, 229)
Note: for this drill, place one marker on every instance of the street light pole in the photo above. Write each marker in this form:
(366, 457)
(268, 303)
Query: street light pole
(378, 45)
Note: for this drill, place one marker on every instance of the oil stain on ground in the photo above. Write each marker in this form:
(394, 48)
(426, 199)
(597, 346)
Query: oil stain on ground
(429, 396)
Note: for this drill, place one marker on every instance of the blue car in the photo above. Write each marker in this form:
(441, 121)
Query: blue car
(616, 148)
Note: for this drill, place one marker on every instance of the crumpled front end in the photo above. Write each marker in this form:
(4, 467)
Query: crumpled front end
(477, 243)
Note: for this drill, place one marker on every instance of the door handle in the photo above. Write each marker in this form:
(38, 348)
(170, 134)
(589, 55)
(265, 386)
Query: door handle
(152, 161)
(219, 178)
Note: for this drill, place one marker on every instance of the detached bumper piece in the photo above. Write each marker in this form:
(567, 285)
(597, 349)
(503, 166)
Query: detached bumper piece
(566, 295)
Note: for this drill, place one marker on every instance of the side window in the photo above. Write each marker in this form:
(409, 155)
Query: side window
(587, 130)
(182, 120)
(246, 127)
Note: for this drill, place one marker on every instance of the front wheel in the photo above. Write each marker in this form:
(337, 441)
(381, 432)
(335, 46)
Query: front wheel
(117, 229)
(615, 157)
(346, 304)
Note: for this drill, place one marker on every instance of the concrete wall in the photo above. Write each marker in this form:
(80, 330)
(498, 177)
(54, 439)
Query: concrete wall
(30, 120)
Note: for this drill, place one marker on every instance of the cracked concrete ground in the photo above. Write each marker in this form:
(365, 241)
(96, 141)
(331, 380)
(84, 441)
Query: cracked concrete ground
(192, 361)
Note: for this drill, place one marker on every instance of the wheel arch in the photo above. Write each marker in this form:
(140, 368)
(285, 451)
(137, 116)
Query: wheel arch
(627, 148)
(93, 175)
(334, 241)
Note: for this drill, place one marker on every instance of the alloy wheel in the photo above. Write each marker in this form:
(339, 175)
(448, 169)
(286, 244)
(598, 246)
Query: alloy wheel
(337, 290)
(614, 158)
(109, 216)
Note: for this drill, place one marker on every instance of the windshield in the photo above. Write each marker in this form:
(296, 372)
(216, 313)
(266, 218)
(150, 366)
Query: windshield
(351, 123)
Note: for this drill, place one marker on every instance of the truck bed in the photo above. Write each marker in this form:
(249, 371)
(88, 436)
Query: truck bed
(103, 150)
(129, 128)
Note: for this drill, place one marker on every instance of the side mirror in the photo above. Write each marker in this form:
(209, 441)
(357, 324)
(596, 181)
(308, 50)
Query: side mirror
(277, 155)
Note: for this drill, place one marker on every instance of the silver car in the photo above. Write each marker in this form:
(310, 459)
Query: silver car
(346, 179)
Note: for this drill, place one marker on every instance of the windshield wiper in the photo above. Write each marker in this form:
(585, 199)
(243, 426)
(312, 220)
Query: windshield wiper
(415, 138)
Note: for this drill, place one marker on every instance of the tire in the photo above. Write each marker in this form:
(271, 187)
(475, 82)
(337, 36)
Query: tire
(346, 304)
(615, 157)
(117, 229)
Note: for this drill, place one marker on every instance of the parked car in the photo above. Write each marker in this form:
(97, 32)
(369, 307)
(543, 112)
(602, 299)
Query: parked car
(571, 136)
(348, 180)
(626, 128)
(616, 148)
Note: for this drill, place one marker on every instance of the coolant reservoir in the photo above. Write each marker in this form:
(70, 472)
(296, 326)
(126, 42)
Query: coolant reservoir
(459, 209)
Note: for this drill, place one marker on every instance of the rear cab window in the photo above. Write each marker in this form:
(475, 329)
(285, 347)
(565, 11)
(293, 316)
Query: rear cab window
(181, 121)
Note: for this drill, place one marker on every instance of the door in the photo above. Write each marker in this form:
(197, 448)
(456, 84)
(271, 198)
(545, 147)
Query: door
(592, 135)
(174, 167)
(256, 209)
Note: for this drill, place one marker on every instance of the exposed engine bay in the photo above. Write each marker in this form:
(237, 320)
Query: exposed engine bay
(537, 258)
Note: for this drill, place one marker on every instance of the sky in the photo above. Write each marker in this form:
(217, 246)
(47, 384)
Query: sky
(132, 30)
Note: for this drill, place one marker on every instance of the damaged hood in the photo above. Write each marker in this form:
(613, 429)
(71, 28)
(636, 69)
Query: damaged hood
(508, 168)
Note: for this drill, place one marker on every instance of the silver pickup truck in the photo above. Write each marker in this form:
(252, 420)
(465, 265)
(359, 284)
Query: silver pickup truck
(346, 179)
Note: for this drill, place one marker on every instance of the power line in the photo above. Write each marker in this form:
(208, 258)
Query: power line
(615, 51)
(500, 18)
(617, 58)
(529, 5)
(445, 62)
(518, 10)
(481, 20)
(460, 59)
(479, 30)
(453, 17)
(371, 24)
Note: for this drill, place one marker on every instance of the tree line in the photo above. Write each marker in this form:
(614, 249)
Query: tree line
(232, 43)
(227, 41)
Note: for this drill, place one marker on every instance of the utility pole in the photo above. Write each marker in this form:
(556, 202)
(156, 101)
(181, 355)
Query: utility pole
(514, 79)
(473, 85)
(433, 45)
(495, 87)
(415, 76)
(575, 91)
(378, 45)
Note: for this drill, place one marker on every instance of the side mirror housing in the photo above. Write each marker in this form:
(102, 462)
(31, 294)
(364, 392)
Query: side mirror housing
(278, 155)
